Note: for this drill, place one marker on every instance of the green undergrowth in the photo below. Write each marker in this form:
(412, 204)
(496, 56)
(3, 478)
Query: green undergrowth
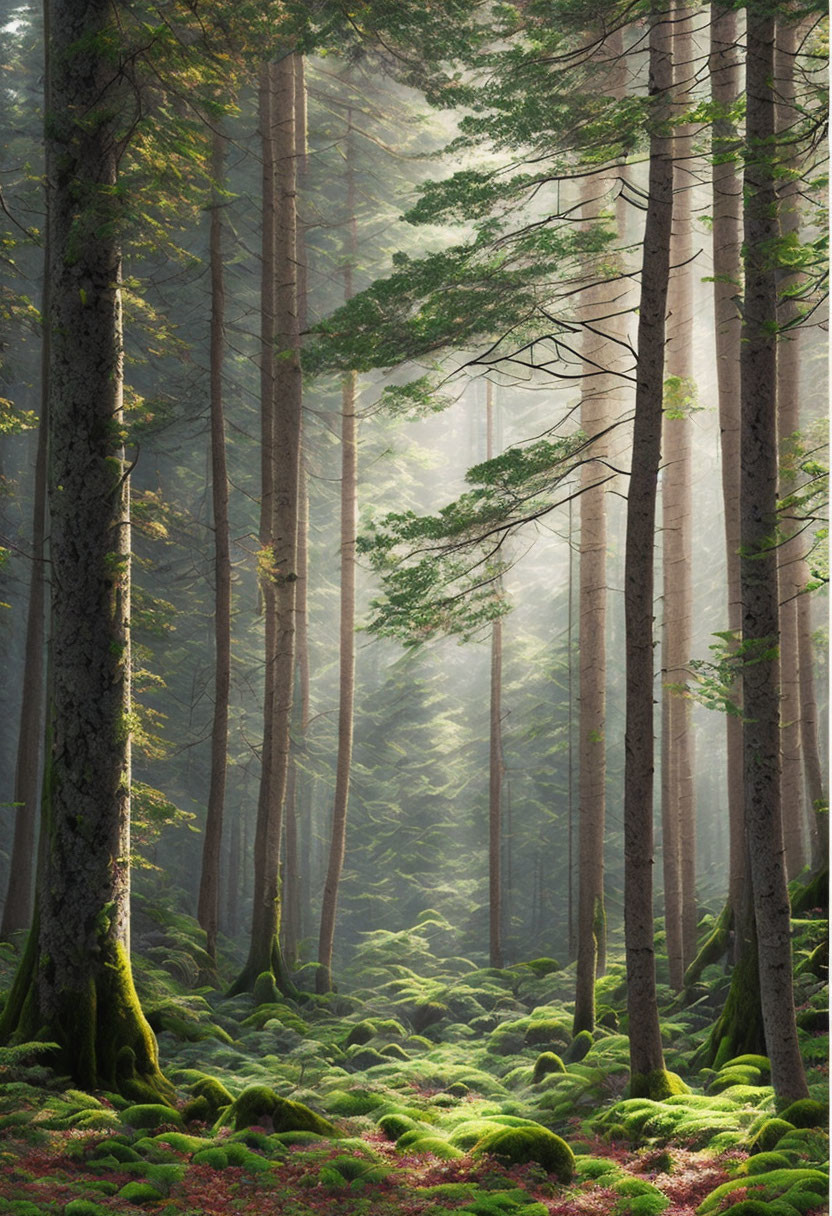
(430, 1085)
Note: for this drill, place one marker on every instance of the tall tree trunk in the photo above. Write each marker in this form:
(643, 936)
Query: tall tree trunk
(647, 1072)
(74, 985)
(279, 508)
(495, 751)
(294, 791)
(725, 74)
(758, 572)
(678, 813)
(346, 694)
(592, 599)
(209, 889)
(17, 910)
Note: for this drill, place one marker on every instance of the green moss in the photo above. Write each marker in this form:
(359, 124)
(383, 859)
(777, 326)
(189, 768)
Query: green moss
(366, 1057)
(808, 1145)
(149, 1114)
(395, 1125)
(657, 1085)
(139, 1192)
(427, 1013)
(543, 966)
(748, 1207)
(351, 1103)
(547, 1062)
(198, 1110)
(266, 991)
(546, 1032)
(361, 1033)
(736, 1074)
(763, 1162)
(755, 1061)
(769, 1135)
(518, 1145)
(806, 1112)
(594, 1167)
(262, 1107)
(215, 1157)
(580, 1046)
(772, 1185)
(179, 1141)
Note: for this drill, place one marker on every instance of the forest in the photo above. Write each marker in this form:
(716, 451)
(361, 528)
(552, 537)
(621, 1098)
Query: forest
(413, 608)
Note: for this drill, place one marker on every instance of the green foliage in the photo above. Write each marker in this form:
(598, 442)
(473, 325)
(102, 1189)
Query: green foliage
(517, 1145)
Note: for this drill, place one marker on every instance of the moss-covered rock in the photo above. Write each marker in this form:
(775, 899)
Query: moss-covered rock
(362, 1058)
(518, 1145)
(360, 1033)
(84, 1207)
(259, 1106)
(769, 1134)
(580, 1046)
(761, 1163)
(394, 1125)
(806, 1112)
(350, 1103)
(150, 1114)
(213, 1156)
(140, 1192)
(547, 1062)
(427, 1013)
(546, 1032)
(266, 991)
(419, 1141)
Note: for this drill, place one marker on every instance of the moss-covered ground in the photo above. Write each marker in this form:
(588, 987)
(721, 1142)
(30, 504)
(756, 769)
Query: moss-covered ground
(427, 1086)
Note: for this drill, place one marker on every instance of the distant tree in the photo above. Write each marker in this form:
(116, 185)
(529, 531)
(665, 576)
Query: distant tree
(346, 629)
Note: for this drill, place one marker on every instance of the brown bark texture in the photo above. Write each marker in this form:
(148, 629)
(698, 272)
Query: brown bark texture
(791, 570)
(346, 686)
(725, 73)
(281, 409)
(209, 888)
(17, 910)
(75, 984)
(758, 572)
(816, 793)
(677, 794)
(646, 1057)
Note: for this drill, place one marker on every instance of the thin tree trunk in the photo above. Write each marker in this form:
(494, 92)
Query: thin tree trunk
(647, 1074)
(725, 71)
(495, 751)
(758, 572)
(592, 600)
(349, 524)
(294, 794)
(790, 568)
(279, 513)
(678, 824)
(813, 769)
(17, 910)
(209, 889)
(232, 886)
(572, 928)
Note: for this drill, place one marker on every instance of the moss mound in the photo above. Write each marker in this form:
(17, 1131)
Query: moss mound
(769, 1135)
(545, 1032)
(259, 1106)
(579, 1047)
(547, 1062)
(656, 1085)
(360, 1033)
(139, 1192)
(150, 1114)
(806, 1112)
(519, 1145)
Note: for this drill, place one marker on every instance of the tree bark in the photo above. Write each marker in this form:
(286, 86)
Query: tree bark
(346, 695)
(495, 751)
(17, 910)
(791, 572)
(813, 769)
(292, 893)
(209, 889)
(75, 985)
(725, 74)
(758, 572)
(647, 1074)
(678, 811)
(281, 405)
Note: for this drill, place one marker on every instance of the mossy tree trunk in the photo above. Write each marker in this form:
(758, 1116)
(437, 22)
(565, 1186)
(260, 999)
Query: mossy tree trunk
(74, 985)
(209, 889)
(725, 72)
(646, 1057)
(758, 570)
(346, 681)
(281, 424)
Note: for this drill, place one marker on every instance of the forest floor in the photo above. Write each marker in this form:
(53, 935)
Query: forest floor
(431, 1086)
